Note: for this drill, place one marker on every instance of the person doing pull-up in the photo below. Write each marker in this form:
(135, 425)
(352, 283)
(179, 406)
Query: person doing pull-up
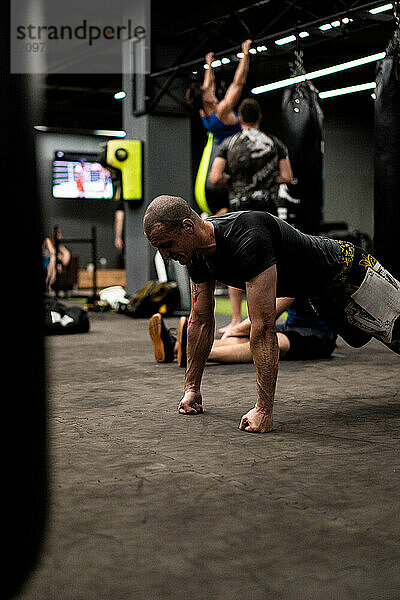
(219, 117)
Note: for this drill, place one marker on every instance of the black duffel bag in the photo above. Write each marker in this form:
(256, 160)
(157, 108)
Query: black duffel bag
(60, 319)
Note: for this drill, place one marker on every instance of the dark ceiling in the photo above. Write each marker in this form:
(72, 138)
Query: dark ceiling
(193, 28)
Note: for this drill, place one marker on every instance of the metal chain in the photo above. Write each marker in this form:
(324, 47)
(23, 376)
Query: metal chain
(396, 11)
(393, 47)
(297, 66)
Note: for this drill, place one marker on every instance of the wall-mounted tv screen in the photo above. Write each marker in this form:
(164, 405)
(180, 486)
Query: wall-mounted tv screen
(78, 175)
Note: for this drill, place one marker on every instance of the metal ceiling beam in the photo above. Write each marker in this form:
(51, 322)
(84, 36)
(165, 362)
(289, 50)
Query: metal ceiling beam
(224, 17)
(263, 39)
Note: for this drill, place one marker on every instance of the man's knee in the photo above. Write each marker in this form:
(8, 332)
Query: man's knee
(284, 344)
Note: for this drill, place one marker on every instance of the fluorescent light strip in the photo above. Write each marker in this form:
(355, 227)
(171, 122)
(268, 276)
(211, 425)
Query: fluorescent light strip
(103, 132)
(348, 90)
(285, 40)
(337, 23)
(110, 133)
(261, 89)
(358, 62)
(278, 84)
(379, 9)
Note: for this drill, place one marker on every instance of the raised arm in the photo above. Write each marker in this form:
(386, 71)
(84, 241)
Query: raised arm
(208, 88)
(235, 90)
(261, 302)
(200, 337)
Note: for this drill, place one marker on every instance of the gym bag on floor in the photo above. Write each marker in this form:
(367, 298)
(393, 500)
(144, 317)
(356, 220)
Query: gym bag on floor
(61, 319)
(151, 298)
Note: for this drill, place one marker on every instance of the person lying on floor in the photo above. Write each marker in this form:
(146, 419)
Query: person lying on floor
(301, 337)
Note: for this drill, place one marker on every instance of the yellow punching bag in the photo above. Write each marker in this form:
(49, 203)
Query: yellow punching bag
(210, 198)
(125, 157)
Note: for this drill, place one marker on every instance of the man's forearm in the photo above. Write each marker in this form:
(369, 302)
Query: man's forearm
(223, 180)
(208, 82)
(200, 337)
(282, 178)
(242, 70)
(285, 173)
(265, 351)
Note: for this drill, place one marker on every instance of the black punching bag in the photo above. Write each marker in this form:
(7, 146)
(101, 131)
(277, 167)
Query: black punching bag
(302, 121)
(23, 401)
(387, 158)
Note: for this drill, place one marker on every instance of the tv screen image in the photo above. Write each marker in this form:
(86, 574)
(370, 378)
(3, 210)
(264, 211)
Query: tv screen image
(80, 176)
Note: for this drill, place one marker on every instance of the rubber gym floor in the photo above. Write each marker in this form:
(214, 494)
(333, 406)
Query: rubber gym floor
(147, 504)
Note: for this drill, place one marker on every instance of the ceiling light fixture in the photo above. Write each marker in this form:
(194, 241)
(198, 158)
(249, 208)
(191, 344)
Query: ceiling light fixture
(382, 8)
(110, 133)
(261, 89)
(348, 90)
(285, 40)
(102, 132)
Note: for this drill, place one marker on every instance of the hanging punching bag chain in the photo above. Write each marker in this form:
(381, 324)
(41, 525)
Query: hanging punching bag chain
(396, 9)
(297, 66)
(393, 47)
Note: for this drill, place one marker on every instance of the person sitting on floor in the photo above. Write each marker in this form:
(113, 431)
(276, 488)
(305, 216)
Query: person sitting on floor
(301, 337)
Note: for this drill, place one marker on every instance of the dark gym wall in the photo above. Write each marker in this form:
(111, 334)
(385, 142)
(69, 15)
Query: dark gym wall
(75, 217)
(349, 161)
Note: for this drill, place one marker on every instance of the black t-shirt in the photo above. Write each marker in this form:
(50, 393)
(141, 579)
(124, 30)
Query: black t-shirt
(248, 242)
(252, 160)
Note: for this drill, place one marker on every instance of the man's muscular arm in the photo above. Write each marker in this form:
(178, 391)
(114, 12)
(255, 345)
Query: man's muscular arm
(218, 176)
(261, 301)
(200, 337)
(285, 174)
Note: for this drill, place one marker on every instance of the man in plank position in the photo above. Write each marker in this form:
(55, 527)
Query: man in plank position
(265, 256)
